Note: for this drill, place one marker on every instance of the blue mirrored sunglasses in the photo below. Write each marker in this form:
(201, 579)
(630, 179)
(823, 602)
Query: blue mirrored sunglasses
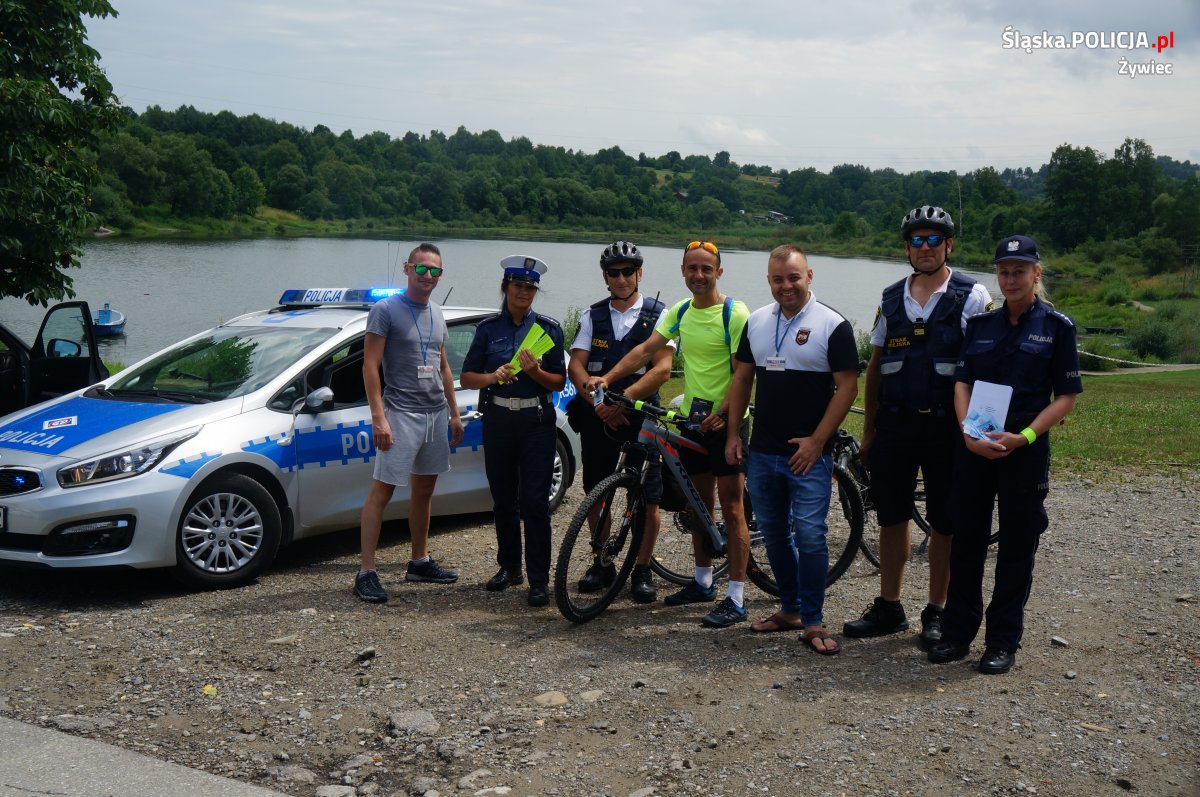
(917, 241)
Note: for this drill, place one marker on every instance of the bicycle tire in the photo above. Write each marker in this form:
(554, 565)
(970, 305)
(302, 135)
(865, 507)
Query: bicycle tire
(619, 498)
(845, 523)
(674, 559)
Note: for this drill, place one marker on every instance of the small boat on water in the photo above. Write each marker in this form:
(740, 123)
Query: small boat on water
(108, 322)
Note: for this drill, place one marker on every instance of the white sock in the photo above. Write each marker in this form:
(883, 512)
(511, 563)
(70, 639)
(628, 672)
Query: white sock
(704, 576)
(420, 561)
(737, 592)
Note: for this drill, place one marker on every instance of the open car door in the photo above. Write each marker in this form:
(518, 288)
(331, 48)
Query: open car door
(64, 357)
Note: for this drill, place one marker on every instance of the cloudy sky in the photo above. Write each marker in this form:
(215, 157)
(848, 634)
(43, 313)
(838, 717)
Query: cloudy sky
(906, 84)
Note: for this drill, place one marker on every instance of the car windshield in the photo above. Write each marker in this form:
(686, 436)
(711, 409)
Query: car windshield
(228, 362)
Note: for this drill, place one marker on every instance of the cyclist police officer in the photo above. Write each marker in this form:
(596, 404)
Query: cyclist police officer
(910, 420)
(607, 332)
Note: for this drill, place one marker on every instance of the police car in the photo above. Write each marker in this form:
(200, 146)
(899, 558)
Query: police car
(211, 454)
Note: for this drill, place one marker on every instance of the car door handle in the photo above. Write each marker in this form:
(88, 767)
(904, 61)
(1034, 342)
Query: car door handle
(471, 415)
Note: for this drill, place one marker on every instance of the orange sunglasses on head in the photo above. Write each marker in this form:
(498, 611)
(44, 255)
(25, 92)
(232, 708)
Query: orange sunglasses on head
(706, 245)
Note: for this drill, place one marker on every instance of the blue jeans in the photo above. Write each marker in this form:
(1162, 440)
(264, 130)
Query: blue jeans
(791, 510)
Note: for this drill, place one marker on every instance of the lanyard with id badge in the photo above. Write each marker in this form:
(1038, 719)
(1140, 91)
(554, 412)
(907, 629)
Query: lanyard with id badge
(424, 370)
(779, 362)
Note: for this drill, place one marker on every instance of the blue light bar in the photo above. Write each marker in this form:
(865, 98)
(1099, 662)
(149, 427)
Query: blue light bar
(315, 297)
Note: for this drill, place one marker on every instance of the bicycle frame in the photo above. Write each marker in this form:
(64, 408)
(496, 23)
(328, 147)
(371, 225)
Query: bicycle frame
(653, 437)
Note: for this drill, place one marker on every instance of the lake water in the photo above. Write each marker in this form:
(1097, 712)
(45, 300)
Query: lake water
(172, 289)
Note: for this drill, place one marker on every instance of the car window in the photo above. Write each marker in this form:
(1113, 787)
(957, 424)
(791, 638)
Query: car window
(228, 362)
(461, 335)
(341, 371)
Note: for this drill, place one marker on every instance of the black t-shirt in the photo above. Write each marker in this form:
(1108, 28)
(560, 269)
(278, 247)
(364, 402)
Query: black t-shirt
(794, 363)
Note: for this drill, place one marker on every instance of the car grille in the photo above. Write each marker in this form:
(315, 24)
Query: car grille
(14, 481)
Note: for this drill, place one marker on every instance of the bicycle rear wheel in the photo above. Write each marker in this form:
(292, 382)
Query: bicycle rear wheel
(673, 557)
(612, 542)
(844, 521)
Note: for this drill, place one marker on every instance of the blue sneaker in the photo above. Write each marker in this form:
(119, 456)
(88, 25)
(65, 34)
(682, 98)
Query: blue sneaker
(726, 614)
(692, 593)
(430, 572)
(368, 588)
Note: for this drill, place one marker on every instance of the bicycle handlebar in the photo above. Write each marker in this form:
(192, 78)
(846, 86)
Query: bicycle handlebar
(670, 416)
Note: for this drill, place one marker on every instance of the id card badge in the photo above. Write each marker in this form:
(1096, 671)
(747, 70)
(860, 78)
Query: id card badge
(701, 409)
(425, 372)
(598, 396)
(776, 363)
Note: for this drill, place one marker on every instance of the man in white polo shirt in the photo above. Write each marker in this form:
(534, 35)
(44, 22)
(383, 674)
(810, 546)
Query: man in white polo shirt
(803, 355)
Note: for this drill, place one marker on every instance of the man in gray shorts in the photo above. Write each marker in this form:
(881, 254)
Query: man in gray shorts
(406, 334)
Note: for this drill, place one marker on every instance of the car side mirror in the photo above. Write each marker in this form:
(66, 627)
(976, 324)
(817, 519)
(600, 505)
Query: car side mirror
(319, 399)
(57, 347)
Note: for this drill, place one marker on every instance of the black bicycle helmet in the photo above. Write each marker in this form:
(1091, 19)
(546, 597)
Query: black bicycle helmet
(620, 252)
(927, 217)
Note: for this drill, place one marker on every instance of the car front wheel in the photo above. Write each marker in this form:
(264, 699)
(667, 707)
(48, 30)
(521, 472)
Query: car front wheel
(229, 532)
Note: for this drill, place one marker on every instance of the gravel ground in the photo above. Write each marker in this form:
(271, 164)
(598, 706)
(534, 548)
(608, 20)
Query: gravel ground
(295, 685)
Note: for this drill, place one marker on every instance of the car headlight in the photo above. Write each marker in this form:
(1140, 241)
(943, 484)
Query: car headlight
(122, 464)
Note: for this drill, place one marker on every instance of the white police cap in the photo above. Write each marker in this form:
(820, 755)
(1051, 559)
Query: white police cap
(522, 268)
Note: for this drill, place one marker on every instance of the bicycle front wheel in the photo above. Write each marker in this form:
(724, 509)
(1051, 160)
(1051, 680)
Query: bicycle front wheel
(603, 538)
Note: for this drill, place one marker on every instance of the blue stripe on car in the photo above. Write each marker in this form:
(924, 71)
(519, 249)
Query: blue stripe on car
(83, 419)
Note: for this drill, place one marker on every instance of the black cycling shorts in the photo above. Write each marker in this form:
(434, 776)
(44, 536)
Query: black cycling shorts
(714, 462)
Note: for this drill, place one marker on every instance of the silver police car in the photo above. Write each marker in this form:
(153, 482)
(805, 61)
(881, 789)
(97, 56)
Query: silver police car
(211, 454)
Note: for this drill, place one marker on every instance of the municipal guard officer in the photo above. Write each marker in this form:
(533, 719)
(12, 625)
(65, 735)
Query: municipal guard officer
(909, 422)
(518, 423)
(607, 332)
(1029, 346)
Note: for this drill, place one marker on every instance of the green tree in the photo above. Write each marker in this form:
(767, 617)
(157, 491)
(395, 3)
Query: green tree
(1072, 189)
(54, 101)
(248, 191)
(288, 187)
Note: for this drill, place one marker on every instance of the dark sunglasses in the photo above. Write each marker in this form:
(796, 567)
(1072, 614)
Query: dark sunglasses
(421, 269)
(628, 271)
(706, 245)
(916, 241)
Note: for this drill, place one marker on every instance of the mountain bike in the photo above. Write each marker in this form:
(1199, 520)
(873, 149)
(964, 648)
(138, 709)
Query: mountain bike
(607, 527)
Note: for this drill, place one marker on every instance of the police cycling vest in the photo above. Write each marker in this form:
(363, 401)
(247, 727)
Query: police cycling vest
(918, 360)
(607, 351)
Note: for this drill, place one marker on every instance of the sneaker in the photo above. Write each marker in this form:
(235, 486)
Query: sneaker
(726, 614)
(431, 572)
(368, 588)
(597, 577)
(931, 626)
(641, 587)
(882, 617)
(692, 593)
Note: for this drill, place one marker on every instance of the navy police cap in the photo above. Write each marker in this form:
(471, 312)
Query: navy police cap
(1018, 247)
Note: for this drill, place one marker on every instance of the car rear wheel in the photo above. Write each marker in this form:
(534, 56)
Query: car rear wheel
(229, 532)
(561, 478)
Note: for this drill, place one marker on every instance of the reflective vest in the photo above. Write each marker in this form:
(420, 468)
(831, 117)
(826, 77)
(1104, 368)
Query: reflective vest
(918, 360)
(607, 351)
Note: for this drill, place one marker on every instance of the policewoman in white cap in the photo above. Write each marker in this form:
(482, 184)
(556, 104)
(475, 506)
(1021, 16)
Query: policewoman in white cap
(1029, 346)
(518, 423)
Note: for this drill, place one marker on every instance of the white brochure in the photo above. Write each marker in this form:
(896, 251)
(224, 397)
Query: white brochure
(987, 410)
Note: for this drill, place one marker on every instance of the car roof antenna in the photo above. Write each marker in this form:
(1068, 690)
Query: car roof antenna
(447, 296)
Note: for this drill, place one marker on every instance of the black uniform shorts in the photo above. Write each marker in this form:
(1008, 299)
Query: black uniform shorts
(602, 446)
(904, 442)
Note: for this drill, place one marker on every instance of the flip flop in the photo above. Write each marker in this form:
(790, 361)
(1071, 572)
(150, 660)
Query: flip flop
(821, 633)
(775, 623)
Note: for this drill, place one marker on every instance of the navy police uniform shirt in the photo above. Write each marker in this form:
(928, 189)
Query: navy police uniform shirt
(496, 340)
(1037, 357)
(794, 362)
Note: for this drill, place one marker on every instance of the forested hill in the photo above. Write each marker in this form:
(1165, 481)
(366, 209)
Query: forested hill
(190, 164)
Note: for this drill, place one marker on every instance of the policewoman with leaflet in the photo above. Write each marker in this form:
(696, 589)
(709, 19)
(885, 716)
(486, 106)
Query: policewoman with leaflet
(1029, 346)
(518, 422)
